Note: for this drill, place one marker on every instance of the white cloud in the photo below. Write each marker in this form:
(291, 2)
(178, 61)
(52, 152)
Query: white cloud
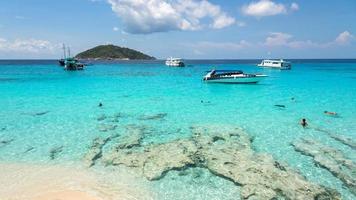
(273, 40)
(200, 48)
(27, 46)
(19, 17)
(198, 52)
(283, 39)
(222, 21)
(148, 16)
(277, 39)
(263, 8)
(344, 38)
(241, 24)
(222, 45)
(305, 44)
(115, 29)
(294, 7)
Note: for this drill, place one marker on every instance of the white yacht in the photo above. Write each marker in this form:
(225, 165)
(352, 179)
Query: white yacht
(174, 62)
(278, 64)
(232, 76)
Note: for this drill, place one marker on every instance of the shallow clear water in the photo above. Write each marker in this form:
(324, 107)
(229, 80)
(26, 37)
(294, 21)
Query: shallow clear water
(66, 104)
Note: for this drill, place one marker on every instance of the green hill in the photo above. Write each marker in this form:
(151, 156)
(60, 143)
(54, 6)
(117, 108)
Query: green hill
(108, 52)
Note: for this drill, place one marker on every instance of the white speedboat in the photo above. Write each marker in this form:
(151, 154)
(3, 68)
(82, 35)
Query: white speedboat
(232, 76)
(174, 62)
(278, 64)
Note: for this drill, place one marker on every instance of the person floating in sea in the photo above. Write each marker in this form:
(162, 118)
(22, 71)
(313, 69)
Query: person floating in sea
(100, 104)
(330, 113)
(304, 123)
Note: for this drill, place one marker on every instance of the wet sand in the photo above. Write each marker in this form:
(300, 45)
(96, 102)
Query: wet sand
(67, 195)
(54, 182)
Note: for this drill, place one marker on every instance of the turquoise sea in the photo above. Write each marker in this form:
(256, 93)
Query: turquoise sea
(44, 107)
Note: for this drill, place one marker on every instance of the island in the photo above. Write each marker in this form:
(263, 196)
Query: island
(112, 52)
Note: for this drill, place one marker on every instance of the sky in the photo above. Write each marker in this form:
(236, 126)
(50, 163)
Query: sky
(191, 29)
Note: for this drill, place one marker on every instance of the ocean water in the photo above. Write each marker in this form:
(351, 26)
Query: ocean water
(44, 107)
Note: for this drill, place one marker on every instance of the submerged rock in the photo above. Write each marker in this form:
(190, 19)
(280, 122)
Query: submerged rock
(41, 113)
(153, 117)
(227, 153)
(37, 113)
(95, 150)
(156, 160)
(117, 116)
(106, 127)
(30, 148)
(114, 119)
(131, 138)
(53, 153)
(101, 117)
(345, 140)
(331, 159)
(121, 115)
(6, 142)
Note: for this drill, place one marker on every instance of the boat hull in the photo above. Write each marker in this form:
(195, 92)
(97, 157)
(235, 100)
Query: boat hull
(180, 64)
(174, 62)
(236, 80)
(276, 67)
(61, 62)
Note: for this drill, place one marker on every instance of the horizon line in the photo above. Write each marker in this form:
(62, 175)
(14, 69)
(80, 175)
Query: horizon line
(2, 59)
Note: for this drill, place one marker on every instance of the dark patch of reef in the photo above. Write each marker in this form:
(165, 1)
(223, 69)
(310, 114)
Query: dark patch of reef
(54, 152)
(96, 149)
(36, 113)
(158, 116)
(29, 149)
(5, 142)
(345, 140)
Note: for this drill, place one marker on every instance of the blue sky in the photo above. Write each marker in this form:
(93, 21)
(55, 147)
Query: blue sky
(184, 28)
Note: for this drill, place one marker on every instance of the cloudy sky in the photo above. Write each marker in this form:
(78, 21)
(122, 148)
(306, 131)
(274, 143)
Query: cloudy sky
(239, 29)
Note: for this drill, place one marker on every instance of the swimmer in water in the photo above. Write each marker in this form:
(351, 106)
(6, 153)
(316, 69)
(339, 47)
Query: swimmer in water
(330, 113)
(304, 123)
(100, 104)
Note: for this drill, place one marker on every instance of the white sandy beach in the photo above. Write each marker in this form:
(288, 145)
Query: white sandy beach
(54, 182)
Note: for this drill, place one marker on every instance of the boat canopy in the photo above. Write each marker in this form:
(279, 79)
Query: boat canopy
(227, 71)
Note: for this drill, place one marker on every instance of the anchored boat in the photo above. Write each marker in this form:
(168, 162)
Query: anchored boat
(175, 62)
(70, 63)
(63, 59)
(278, 64)
(232, 76)
(73, 64)
(61, 62)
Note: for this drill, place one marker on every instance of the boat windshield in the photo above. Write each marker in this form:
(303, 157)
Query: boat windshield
(226, 72)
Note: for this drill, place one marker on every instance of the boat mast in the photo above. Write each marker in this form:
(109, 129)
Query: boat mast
(64, 51)
(68, 52)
